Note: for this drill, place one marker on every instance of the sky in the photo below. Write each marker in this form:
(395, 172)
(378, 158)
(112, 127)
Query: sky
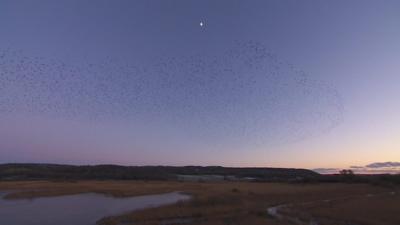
(305, 84)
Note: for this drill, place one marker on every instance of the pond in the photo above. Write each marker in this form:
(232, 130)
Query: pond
(80, 209)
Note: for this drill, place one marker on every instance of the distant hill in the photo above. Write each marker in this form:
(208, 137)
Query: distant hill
(115, 172)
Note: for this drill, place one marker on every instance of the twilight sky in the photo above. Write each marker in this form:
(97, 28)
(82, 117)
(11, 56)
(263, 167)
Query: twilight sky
(312, 84)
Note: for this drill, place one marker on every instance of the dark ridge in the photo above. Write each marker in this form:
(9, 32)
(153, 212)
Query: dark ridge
(116, 172)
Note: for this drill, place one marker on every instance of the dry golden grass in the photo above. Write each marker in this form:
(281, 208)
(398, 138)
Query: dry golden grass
(225, 202)
(381, 209)
(32, 189)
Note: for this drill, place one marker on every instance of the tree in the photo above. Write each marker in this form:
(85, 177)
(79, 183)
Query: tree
(346, 172)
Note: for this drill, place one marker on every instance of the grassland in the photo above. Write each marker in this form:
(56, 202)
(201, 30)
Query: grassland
(235, 202)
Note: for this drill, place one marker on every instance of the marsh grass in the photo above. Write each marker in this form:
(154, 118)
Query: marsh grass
(223, 203)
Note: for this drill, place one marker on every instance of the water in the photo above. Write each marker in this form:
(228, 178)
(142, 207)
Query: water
(80, 209)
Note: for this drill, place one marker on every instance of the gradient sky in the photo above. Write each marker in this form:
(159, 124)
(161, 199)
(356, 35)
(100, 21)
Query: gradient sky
(261, 83)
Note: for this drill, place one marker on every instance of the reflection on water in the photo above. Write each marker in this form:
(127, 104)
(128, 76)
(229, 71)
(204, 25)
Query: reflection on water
(81, 209)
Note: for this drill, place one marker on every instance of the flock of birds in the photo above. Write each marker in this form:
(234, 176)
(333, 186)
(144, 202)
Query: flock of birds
(243, 93)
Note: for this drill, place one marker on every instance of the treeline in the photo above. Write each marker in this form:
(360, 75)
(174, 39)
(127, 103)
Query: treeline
(375, 179)
(115, 172)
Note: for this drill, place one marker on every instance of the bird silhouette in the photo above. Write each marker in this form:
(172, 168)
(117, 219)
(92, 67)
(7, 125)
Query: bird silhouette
(245, 90)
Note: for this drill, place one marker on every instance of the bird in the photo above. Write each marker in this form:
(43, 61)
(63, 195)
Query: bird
(245, 83)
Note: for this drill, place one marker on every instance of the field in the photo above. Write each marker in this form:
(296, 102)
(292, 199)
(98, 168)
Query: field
(236, 202)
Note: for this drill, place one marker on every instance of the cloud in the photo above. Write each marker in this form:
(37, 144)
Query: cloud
(356, 167)
(384, 165)
(327, 170)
